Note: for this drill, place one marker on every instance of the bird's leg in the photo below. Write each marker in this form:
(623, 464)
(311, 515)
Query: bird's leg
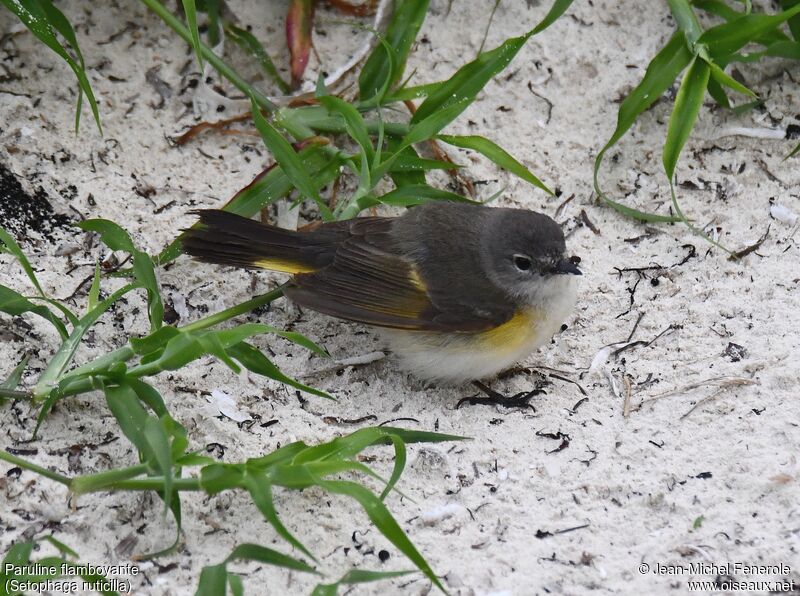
(495, 398)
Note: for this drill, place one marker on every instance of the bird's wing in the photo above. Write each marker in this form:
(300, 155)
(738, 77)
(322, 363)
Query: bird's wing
(369, 282)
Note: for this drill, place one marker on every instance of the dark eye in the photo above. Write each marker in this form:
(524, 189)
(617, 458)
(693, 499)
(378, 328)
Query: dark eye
(522, 262)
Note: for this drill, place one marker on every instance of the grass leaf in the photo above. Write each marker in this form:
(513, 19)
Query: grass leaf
(660, 74)
(261, 492)
(9, 245)
(686, 19)
(725, 39)
(254, 360)
(262, 554)
(463, 87)
(356, 576)
(289, 160)
(15, 304)
(417, 194)
(497, 155)
(116, 238)
(94, 290)
(191, 19)
(684, 114)
(248, 42)
(43, 19)
(383, 520)
(386, 64)
(213, 579)
(723, 78)
(66, 352)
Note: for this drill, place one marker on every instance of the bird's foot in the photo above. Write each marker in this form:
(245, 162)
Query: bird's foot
(495, 398)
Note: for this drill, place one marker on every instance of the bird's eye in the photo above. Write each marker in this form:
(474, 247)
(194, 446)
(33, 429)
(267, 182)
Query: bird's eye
(522, 262)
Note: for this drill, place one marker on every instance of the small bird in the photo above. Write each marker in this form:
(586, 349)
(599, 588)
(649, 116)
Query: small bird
(462, 291)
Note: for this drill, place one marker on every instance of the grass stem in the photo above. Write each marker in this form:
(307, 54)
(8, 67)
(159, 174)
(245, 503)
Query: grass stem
(26, 465)
(219, 65)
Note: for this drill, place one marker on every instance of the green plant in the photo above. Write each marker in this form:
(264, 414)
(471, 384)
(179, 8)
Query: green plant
(312, 145)
(19, 572)
(703, 55)
(160, 440)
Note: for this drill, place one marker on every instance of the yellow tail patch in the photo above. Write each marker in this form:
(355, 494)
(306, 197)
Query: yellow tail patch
(283, 266)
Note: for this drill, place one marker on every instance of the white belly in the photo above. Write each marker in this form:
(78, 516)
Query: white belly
(460, 357)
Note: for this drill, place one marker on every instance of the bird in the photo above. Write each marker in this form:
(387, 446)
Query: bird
(461, 291)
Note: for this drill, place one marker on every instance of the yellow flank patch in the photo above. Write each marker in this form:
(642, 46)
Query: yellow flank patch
(283, 266)
(415, 279)
(511, 335)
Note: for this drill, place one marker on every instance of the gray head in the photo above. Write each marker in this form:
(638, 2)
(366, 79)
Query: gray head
(525, 249)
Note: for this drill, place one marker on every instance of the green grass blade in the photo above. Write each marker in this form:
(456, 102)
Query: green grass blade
(725, 39)
(559, 7)
(718, 8)
(463, 87)
(384, 521)
(15, 304)
(116, 238)
(470, 79)
(261, 492)
(236, 584)
(687, 107)
(794, 152)
(660, 74)
(497, 155)
(262, 554)
(248, 42)
(794, 22)
(70, 316)
(9, 245)
(241, 332)
(353, 121)
(406, 93)
(411, 162)
(395, 158)
(716, 91)
(723, 78)
(686, 19)
(416, 436)
(43, 20)
(148, 395)
(191, 19)
(64, 355)
(422, 131)
(289, 160)
(356, 576)
(13, 380)
(131, 417)
(417, 194)
(159, 445)
(94, 290)
(399, 465)
(385, 65)
(213, 579)
(254, 360)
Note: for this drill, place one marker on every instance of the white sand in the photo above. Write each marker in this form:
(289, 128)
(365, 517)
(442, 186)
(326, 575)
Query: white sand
(658, 486)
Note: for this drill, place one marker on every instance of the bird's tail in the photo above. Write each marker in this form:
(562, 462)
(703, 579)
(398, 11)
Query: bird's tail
(230, 239)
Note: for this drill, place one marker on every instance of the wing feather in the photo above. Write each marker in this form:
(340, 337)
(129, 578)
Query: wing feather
(370, 282)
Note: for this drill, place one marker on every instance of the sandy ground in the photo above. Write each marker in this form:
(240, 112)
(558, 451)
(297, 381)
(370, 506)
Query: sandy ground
(571, 497)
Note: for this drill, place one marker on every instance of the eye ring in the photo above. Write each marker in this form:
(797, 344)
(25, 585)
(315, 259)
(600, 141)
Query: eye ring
(522, 262)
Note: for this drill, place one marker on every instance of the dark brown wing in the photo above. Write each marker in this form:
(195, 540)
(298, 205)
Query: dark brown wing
(370, 282)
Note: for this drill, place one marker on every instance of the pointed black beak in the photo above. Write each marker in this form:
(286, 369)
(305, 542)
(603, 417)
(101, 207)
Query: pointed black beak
(568, 266)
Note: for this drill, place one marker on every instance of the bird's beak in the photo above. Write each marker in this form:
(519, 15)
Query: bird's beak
(567, 266)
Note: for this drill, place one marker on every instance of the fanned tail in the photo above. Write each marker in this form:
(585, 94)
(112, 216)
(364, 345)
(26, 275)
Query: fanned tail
(229, 239)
